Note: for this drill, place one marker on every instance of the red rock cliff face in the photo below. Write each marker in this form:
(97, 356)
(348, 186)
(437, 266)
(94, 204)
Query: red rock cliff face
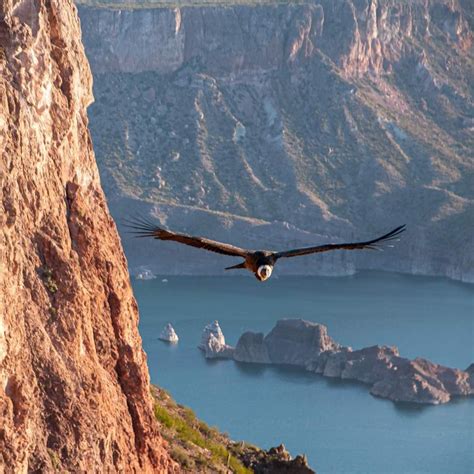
(74, 386)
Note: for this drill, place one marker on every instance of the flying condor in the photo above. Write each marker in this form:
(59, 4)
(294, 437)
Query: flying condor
(259, 262)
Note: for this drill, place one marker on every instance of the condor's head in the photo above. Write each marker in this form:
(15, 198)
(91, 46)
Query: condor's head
(264, 272)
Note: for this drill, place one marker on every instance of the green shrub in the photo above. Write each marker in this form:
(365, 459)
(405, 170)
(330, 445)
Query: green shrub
(182, 458)
(186, 433)
(163, 416)
(189, 415)
(48, 279)
(55, 461)
(205, 429)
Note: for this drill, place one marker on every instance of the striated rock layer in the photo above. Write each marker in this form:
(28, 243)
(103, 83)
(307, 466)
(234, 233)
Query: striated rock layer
(74, 385)
(306, 344)
(290, 124)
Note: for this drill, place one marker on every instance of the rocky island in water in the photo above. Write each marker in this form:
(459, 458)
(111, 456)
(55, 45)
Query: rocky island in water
(306, 344)
(169, 334)
(213, 343)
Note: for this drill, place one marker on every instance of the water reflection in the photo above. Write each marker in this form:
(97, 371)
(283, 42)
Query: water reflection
(251, 370)
(213, 362)
(409, 410)
(344, 384)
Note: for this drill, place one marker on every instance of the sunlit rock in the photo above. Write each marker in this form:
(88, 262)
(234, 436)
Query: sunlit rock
(168, 334)
(306, 344)
(213, 343)
(214, 349)
(215, 330)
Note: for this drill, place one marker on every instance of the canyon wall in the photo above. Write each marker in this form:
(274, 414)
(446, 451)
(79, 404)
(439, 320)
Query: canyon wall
(290, 124)
(74, 384)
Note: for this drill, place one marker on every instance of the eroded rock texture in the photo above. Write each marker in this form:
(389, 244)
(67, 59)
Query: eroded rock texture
(74, 386)
(287, 125)
(307, 345)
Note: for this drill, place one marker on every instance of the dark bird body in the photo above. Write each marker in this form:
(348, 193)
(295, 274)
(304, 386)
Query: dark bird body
(259, 262)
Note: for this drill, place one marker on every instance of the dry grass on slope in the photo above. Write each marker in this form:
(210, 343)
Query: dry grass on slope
(194, 445)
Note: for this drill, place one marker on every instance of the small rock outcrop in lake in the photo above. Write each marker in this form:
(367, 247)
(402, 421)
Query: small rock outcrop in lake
(306, 344)
(145, 274)
(169, 334)
(214, 349)
(213, 343)
(215, 330)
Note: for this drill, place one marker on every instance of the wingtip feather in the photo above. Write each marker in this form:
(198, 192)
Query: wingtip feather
(392, 236)
(140, 226)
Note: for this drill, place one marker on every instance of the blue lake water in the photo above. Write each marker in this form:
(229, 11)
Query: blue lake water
(338, 425)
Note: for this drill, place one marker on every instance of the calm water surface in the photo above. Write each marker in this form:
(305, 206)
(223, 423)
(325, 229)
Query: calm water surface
(338, 425)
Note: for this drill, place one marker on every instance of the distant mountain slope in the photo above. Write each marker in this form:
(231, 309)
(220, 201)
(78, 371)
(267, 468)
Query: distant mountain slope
(282, 125)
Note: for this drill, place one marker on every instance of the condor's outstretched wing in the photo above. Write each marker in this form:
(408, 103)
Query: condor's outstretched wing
(374, 244)
(144, 228)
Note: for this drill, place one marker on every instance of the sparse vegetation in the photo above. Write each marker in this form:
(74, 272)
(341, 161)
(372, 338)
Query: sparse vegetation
(196, 446)
(48, 279)
(182, 458)
(55, 461)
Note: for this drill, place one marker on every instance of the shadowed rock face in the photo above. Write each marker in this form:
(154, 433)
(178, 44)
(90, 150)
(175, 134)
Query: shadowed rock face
(74, 387)
(289, 125)
(307, 344)
(250, 348)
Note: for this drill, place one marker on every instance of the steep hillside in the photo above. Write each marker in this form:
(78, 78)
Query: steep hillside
(74, 384)
(199, 448)
(290, 124)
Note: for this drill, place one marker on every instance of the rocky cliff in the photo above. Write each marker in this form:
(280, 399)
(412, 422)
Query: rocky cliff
(287, 124)
(74, 386)
(307, 345)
